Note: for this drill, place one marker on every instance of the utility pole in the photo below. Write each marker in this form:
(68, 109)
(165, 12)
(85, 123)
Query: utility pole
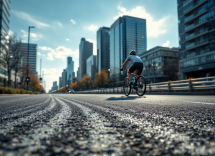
(40, 73)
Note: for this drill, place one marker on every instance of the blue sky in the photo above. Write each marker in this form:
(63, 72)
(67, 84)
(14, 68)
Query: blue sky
(61, 24)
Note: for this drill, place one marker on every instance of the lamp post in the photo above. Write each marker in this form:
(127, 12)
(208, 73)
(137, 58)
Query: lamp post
(28, 51)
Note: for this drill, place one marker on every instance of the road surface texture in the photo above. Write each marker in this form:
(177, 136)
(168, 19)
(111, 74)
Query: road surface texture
(87, 124)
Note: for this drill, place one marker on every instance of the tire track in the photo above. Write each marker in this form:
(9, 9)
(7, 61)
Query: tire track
(101, 134)
(31, 140)
(160, 132)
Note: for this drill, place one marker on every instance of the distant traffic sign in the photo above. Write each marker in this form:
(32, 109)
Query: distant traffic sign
(27, 79)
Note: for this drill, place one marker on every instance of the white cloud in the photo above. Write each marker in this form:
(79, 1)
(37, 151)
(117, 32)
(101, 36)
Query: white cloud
(154, 28)
(50, 75)
(34, 36)
(67, 39)
(60, 24)
(166, 44)
(92, 27)
(38, 53)
(60, 52)
(45, 48)
(27, 17)
(73, 21)
(94, 46)
(44, 55)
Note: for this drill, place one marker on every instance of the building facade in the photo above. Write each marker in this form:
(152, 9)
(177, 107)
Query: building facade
(196, 38)
(85, 51)
(70, 70)
(32, 56)
(155, 60)
(60, 82)
(64, 78)
(126, 34)
(4, 31)
(103, 48)
(91, 67)
(54, 87)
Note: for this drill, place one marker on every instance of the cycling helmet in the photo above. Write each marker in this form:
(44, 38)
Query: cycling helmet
(133, 52)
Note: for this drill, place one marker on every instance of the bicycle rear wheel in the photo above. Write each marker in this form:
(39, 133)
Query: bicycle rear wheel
(141, 86)
(126, 87)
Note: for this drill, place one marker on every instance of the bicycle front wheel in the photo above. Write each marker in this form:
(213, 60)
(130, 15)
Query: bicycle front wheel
(126, 87)
(141, 86)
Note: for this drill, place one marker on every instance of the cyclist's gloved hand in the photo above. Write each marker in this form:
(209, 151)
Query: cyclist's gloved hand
(121, 69)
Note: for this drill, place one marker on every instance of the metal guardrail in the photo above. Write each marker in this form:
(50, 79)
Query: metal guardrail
(189, 85)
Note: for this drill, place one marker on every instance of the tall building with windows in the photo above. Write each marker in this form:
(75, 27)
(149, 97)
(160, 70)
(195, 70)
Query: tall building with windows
(91, 67)
(126, 33)
(85, 51)
(4, 31)
(32, 55)
(103, 48)
(70, 70)
(155, 61)
(64, 78)
(196, 38)
(60, 82)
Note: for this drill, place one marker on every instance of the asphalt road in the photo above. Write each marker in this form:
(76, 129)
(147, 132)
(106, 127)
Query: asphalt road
(96, 124)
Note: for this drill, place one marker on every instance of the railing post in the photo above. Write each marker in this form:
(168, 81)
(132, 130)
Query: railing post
(190, 86)
(169, 87)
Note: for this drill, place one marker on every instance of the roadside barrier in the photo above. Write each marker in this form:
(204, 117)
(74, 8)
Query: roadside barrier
(188, 85)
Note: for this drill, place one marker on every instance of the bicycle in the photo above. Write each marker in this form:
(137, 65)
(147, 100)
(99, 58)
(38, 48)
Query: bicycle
(139, 86)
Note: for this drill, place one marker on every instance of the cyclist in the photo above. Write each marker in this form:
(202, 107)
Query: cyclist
(137, 64)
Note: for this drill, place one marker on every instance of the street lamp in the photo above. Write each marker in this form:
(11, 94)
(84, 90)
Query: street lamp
(28, 51)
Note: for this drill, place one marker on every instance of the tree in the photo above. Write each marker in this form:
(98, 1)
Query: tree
(18, 57)
(11, 45)
(34, 82)
(171, 69)
(101, 78)
(85, 82)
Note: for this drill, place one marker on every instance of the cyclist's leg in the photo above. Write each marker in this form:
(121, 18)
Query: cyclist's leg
(140, 69)
(131, 70)
(129, 74)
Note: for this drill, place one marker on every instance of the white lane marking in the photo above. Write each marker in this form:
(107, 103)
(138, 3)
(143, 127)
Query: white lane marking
(45, 130)
(4, 128)
(206, 103)
(102, 135)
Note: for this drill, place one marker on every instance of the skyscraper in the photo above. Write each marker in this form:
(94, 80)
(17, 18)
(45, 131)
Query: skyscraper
(70, 69)
(4, 26)
(64, 78)
(103, 48)
(60, 82)
(126, 33)
(196, 23)
(32, 55)
(85, 51)
(91, 66)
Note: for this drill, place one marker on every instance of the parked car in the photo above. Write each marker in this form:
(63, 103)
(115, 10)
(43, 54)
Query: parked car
(71, 91)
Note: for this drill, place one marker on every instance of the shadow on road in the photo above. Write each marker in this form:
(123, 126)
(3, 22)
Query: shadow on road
(125, 98)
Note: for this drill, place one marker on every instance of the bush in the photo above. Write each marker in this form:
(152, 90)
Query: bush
(21, 92)
(2, 90)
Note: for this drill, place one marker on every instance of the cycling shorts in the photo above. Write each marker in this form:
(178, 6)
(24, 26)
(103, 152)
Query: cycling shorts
(136, 66)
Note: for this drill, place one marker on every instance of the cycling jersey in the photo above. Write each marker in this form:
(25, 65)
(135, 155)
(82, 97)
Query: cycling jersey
(133, 59)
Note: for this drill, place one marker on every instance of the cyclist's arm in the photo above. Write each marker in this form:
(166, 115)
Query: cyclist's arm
(124, 64)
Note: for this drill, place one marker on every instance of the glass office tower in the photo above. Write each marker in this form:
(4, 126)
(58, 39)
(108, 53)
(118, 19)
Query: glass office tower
(91, 67)
(32, 55)
(126, 34)
(85, 51)
(4, 28)
(103, 48)
(196, 22)
(70, 69)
